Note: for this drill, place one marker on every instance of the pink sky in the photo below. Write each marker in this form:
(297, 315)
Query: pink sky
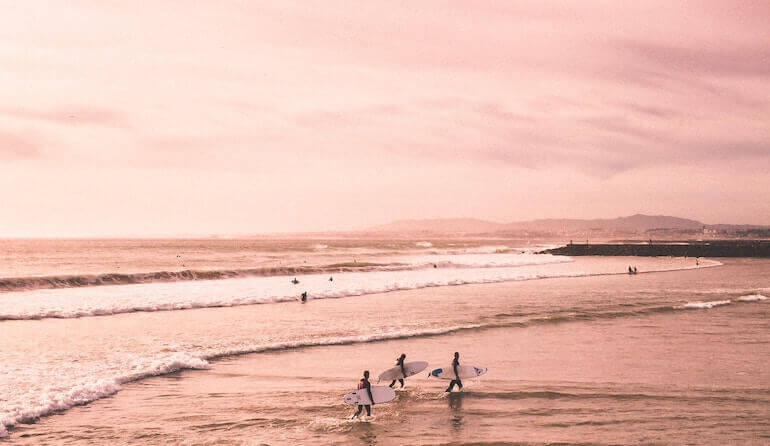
(233, 117)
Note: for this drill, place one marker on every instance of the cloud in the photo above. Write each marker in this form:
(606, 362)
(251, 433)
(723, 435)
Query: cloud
(743, 60)
(69, 116)
(16, 147)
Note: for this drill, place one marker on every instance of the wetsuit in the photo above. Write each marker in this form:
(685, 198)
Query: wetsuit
(455, 364)
(400, 363)
(364, 384)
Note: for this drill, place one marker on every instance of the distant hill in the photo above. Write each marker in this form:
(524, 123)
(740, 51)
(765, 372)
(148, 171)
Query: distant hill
(637, 223)
(634, 223)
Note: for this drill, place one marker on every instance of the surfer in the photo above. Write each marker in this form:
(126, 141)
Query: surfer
(455, 365)
(331, 279)
(364, 384)
(295, 281)
(400, 363)
(635, 270)
(630, 270)
(304, 296)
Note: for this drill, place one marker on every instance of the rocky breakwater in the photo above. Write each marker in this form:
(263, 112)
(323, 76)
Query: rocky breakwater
(716, 248)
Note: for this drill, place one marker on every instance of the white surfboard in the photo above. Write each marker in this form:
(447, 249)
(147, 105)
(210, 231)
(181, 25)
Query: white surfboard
(412, 368)
(381, 394)
(465, 371)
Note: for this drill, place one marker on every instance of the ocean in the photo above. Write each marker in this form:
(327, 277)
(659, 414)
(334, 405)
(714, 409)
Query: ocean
(206, 342)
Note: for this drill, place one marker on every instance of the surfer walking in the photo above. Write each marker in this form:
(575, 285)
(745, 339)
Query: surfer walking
(364, 384)
(455, 365)
(400, 364)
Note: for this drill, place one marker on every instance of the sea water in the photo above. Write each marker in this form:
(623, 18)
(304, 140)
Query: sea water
(577, 350)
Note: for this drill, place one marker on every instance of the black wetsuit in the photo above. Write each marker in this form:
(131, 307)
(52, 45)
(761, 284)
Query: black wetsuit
(364, 384)
(455, 364)
(400, 363)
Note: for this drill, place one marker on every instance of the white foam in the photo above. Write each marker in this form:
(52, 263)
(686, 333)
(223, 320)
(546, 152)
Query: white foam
(752, 298)
(704, 305)
(424, 244)
(88, 391)
(116, 299)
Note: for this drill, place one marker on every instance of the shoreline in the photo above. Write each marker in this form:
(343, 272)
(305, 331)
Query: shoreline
(717, 248)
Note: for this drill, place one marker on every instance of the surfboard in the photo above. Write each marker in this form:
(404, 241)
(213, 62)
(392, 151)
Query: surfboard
(381, 394)
(465, 371)
(412, 368)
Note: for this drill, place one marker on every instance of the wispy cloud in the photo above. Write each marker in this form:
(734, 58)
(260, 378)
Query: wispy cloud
(17, 147)
(68, 116)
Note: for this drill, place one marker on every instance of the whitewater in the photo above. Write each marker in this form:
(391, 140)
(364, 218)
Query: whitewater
(70, 346)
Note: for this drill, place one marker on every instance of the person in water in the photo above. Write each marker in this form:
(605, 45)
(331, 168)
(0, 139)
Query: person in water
(455, 365)
(295, 281)
(364, 384)
(635, 270)
(304, 296)
(400, 363)
(630, 270)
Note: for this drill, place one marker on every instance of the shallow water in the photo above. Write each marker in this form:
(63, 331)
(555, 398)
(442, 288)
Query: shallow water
(601, 358)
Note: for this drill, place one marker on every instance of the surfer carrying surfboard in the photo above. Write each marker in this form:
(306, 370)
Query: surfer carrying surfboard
(400, 364)
(364, 384)
(455, 364)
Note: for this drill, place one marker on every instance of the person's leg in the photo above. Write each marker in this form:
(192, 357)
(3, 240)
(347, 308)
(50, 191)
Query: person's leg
(393, 383)
(368, 410)
(451, 386)
(401, 381)
(459, 385)
(358, 412)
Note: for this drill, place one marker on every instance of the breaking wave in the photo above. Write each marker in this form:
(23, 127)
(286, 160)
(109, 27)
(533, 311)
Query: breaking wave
(87, 392)
(704, 305)
(752, 298)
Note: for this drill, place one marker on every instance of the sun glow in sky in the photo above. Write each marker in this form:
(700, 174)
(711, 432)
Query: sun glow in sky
(239, 117)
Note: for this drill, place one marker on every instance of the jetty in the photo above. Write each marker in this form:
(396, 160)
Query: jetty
(711, 248)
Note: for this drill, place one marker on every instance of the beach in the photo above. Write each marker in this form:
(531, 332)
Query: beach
(577, 351)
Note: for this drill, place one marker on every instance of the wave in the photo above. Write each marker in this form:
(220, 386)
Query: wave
(101, 388)
(752, 298)
(11, 284)
(704, 305)
(87, 392)
(67, 304)
(73, 303)
(88, 280)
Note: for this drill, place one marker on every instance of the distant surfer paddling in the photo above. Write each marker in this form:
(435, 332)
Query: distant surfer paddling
(364, 384)
(455, 365)
(400, 364)
(295, 281)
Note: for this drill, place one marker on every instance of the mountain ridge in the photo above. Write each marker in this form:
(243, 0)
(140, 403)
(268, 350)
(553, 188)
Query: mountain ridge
(632, 223)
